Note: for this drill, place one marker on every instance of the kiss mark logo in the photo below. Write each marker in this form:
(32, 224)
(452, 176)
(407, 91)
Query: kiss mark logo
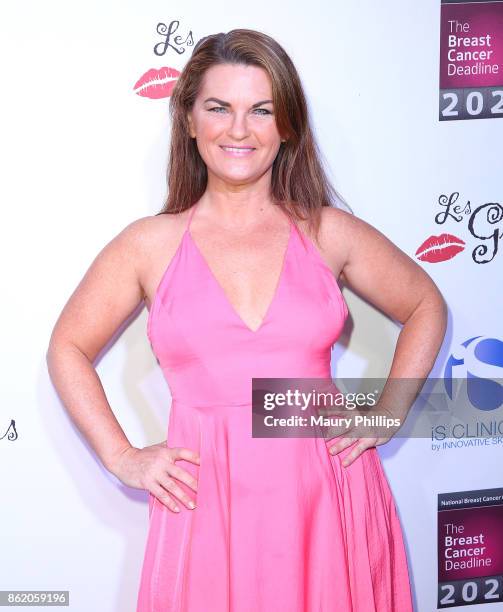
(485, 223)
(157, 83)
(440, 248)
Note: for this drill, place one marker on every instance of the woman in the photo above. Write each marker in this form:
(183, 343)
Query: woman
(239, 274)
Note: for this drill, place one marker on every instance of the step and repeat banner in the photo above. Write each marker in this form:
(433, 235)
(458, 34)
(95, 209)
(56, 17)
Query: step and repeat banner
(470, 514)
(406, 100)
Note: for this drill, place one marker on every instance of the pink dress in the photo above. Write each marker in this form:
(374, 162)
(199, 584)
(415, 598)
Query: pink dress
(279, 524)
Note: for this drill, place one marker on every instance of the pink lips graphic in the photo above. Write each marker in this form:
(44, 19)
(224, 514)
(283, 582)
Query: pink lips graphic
(157, 83)
(440, 248)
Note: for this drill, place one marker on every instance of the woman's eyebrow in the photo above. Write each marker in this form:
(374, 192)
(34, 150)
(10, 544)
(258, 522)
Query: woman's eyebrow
(223, 103)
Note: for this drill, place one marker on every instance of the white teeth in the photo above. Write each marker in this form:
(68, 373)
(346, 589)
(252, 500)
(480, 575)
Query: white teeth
(237, 149)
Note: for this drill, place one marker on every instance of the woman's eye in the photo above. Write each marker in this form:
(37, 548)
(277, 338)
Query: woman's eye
(218, 108)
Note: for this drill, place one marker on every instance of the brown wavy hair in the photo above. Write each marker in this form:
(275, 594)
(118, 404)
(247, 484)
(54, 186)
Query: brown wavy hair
(299, 183)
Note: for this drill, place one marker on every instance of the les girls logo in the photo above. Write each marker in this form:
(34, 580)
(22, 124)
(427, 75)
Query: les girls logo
(158, 83)
(10, 433)
(178, 43)
(485, 225)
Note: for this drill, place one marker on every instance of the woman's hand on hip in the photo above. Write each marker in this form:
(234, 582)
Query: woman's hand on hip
(153, 468)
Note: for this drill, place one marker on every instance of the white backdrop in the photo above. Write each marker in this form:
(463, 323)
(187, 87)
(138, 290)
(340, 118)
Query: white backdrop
(83, 155)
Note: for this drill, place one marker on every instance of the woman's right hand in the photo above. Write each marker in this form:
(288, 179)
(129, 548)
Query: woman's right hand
(153, 468)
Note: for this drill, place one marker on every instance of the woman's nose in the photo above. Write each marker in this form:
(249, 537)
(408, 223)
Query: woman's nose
(239, 126)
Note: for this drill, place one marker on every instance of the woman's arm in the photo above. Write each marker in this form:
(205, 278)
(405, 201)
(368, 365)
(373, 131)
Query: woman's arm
(388, 278)
(107, 294)
(381, 273)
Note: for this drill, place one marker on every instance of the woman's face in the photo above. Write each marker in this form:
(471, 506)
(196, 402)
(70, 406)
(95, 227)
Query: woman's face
(234, 109)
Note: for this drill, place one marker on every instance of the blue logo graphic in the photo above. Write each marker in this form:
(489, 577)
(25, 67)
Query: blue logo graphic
(479, 360)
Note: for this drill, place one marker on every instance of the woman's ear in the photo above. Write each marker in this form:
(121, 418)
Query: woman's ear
(191, 125)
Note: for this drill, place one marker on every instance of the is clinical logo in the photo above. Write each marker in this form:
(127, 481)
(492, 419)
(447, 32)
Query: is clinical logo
(484, 223)
(158, 83)
(478, 361)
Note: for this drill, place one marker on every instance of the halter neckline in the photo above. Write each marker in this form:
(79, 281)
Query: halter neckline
(223, 293)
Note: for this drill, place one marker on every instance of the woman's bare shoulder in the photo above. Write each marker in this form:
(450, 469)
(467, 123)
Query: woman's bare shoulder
(334, 237)
(154, 235)
(151, 230)
(155, 239)
(336, 222)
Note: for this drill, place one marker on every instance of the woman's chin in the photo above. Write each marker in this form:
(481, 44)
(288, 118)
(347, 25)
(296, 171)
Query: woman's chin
(237, 177)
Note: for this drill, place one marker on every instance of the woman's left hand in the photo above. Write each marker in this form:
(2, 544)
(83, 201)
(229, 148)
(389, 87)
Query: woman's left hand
(361, 445)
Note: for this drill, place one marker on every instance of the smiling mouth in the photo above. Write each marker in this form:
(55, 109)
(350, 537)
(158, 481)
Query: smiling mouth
(240, 151)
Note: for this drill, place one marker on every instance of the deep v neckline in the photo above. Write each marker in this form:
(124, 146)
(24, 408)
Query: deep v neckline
(222, 291)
